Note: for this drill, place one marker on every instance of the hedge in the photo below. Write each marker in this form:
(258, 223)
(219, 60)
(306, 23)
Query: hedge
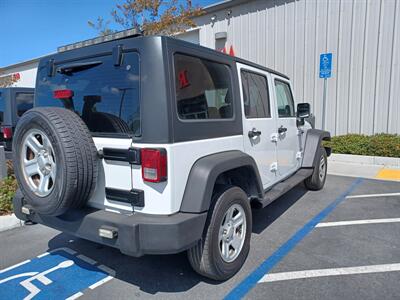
(8, 186)
(375, 145)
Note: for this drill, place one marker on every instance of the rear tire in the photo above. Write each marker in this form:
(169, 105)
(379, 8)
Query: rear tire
(317, 180)
(208, 257)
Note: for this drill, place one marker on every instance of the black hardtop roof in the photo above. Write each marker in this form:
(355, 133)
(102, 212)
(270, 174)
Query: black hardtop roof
(233, 58)
(149, 40)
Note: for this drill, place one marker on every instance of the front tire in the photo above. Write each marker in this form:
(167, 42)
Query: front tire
(317, 180)
(225, 244)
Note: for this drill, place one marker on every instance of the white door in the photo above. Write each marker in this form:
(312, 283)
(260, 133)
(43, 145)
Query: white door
(288, 139)
(259, 121)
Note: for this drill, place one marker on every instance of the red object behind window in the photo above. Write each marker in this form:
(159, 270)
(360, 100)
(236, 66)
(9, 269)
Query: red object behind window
(183, 80)
(154, 165)
(63, 94)
(7, 132)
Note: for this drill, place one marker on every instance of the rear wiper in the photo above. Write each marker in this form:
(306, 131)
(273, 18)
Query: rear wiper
(72, 68)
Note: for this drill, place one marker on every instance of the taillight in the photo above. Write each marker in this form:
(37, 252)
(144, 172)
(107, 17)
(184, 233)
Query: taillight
(63, 94)
(154, 164)
(7, 132)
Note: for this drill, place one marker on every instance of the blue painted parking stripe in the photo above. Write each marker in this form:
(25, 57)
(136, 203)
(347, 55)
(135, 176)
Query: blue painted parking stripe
(251, 280)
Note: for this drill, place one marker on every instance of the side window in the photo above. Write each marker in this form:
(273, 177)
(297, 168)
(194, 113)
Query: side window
(284, 100)
(203, 88)
(24, 102)
(255, 95)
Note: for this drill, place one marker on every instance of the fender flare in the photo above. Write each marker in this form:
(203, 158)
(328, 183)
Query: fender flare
(203, 175)
(314, 139)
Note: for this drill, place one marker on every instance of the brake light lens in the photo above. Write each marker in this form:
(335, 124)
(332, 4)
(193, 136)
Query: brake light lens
(63, 94)
(7, 132)
(154, 165)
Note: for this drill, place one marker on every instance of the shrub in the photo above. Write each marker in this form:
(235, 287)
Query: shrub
(8, 186)
(375, 145)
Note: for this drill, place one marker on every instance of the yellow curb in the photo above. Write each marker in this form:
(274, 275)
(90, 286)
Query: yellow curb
(389, 174)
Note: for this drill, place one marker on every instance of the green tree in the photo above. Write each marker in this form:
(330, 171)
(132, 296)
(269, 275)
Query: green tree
(150, 16)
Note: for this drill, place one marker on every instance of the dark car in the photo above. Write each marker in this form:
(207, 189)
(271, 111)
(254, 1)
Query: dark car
(14, 102)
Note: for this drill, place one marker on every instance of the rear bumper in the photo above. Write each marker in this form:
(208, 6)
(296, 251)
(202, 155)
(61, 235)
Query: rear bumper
(138, 234)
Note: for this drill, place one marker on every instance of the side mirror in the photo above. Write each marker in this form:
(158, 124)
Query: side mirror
(303, 110)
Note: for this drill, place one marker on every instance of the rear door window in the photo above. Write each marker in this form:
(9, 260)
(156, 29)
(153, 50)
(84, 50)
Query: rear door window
(24, 102)
(203, 89)
(104, 95)
(255, 95)
(284, 99)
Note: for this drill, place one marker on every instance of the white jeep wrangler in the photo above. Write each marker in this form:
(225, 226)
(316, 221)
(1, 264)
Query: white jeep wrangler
(153, 145)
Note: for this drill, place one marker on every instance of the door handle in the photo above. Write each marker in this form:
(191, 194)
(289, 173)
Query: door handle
(282, 129)
(253, 133)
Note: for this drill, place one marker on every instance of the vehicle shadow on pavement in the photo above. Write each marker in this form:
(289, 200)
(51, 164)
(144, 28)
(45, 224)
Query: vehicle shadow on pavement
(154, 274)
(264, 217)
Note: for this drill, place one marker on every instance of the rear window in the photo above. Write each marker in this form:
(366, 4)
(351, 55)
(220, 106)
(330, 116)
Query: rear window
(104, 95)
(203, 88)
(24, 102)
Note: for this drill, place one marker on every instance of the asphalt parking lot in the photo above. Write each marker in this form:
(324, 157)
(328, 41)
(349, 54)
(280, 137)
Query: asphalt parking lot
(339, 243)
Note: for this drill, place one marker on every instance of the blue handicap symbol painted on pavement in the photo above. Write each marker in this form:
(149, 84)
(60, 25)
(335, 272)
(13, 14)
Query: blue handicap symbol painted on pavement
(58, 275)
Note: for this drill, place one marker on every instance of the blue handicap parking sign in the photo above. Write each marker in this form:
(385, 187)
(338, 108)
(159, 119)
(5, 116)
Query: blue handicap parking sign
(325, 65)
(58, 275)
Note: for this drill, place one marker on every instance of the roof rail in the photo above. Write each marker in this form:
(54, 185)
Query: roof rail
(133, 32)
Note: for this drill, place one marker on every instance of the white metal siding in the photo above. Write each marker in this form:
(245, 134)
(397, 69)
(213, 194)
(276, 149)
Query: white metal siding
(363, 35)
(27, 74)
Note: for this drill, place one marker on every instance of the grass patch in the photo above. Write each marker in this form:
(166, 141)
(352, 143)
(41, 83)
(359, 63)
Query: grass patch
(8, 186)
(374, 145)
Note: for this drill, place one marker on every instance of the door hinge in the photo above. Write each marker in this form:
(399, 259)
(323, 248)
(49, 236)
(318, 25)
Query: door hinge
(300, 131)
(274, 137)
(299, 155)
(274, 167)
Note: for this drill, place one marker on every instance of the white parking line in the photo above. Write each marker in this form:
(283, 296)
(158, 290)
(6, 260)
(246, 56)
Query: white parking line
(75, 296)
(14, 266)
(97, 284)
(358, 222)
(87, 259)
(330, 272)
(373, 195)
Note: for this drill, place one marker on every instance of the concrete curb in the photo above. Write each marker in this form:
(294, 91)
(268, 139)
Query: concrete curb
(366, 160)
(8, 222)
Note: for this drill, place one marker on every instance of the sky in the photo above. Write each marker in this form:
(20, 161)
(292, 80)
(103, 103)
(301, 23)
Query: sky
(33, 28)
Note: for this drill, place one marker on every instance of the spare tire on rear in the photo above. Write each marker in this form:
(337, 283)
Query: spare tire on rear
(55, 160)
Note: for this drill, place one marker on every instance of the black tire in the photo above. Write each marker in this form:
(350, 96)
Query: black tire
(205, 257)
(317, 181)
(74, 153)
(105, 122)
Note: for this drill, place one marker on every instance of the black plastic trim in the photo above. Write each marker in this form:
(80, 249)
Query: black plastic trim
(203, 175)
(134, 197)
(138, 234)
(131, 155)
(313, 141)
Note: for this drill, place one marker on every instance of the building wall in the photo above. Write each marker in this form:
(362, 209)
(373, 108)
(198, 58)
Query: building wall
(287, 35)
(27, 74)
